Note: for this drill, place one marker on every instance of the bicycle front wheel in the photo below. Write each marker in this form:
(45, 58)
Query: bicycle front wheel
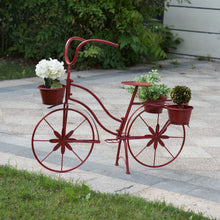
(153, 141)
(62, 149)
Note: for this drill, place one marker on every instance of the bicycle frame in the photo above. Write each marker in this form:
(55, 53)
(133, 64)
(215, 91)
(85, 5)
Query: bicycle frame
(77, 134)
(69, 83)
(119, 134)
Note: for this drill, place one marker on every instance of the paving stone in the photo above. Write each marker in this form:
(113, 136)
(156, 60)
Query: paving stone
(212, 195)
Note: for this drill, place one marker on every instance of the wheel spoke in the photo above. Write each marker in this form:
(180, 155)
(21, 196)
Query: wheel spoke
(54, 140)
(161, 143)
(155, 145)
(61, 162)
(49, 124)
(63, 149)
(149, 128)
(168, 151)
(164, 136)
(69, 134)
(47, 156)
(143, 120)
(76, 155)
(79, 125)
(176, 137)
(57, 134)
(69, 147)
(150, 142)
(141, 151)
(154, 157)
(158, 118)
(57, 147)
(164, 128)
(39, 140)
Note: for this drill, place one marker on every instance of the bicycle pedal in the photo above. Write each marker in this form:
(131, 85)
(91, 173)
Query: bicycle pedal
(111, 141)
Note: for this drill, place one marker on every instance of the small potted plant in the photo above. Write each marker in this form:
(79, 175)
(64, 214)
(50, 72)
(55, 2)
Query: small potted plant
(180, 113)
(153, 97)
(52, 91)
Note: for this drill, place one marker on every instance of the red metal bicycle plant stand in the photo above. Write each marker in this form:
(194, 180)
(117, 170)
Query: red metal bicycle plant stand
(68, 135)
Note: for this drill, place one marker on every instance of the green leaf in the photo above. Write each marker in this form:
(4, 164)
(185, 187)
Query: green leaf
(88, 196)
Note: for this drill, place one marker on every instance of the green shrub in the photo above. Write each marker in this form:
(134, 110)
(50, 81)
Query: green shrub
(150, 92)
(180, 94)
(40, 28)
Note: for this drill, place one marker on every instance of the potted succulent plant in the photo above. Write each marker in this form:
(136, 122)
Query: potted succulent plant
(180, 113)
(52, 91)
(153, 97)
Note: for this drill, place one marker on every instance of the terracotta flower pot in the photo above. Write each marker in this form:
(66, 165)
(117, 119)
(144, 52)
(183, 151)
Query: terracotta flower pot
(52, 96)
(179, 115)
(155, 106)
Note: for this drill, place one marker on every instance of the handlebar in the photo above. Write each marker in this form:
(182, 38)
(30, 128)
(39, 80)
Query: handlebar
(83, 42)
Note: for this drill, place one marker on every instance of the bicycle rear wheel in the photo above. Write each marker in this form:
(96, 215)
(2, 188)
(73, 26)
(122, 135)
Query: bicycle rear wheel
(62, 150)
(153, 141)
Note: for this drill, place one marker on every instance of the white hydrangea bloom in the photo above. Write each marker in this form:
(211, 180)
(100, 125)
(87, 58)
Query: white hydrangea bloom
(52, 69)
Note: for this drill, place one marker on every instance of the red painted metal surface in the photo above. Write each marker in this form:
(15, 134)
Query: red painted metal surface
(52, 96)
(135, 83)
(179, 116)
(68, 135)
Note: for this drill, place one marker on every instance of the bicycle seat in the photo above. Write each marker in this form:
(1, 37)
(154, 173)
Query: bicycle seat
(135, 83)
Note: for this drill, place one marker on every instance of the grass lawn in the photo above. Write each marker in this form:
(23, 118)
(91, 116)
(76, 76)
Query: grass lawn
(15, 69)
(30, 196)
